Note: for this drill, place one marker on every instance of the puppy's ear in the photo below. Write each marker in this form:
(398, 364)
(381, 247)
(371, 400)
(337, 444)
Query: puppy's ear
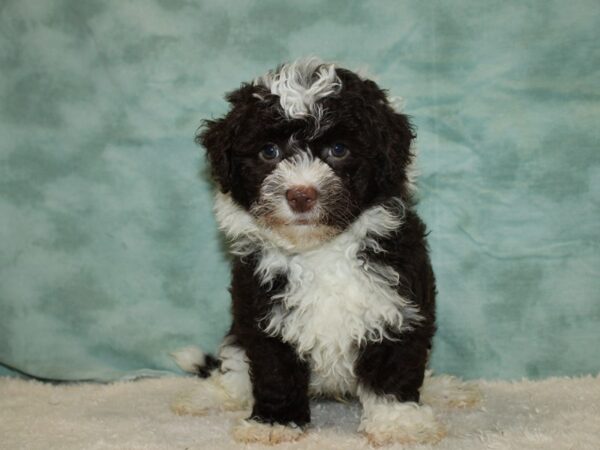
(218, 137)
(393, 132)
(398, 157)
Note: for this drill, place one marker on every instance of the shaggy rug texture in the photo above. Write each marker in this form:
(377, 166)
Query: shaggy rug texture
(556, 413)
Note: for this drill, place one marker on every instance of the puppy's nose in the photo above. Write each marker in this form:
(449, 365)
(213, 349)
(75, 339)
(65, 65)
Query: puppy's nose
(301, 198)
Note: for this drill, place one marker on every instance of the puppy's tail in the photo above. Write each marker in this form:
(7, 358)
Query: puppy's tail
(194, 360)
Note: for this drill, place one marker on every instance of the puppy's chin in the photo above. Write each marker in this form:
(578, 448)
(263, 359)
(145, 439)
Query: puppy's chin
(302, 235)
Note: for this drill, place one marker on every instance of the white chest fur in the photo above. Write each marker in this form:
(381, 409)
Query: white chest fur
(333, 302)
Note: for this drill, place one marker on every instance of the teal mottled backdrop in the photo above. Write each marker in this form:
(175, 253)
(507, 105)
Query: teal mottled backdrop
(109, 254)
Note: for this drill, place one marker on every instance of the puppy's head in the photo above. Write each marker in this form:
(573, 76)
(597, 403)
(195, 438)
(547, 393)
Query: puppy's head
(306, 148)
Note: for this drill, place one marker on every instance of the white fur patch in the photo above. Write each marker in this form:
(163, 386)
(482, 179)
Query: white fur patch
(334, 301)
(385, 420)
(234, 375)
(300, 85)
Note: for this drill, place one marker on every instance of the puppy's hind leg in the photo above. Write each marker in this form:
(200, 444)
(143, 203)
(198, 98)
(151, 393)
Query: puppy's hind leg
(226, 388)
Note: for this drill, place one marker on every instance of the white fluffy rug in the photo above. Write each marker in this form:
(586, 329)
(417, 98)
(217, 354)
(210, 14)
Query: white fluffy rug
(557, 413)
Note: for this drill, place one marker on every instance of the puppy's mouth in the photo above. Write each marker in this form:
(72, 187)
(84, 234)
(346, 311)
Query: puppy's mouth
(303, 222)
(275, 221)
(306, 219)
(303, 234)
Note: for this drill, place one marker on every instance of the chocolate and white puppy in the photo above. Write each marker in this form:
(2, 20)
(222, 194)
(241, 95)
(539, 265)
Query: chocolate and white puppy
(332, 287)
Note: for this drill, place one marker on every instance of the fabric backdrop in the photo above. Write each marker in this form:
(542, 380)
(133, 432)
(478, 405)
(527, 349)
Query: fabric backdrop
(110, 257)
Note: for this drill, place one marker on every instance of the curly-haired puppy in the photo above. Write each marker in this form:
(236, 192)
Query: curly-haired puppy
(333, 291)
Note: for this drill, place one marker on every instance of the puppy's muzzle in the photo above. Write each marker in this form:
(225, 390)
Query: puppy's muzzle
(301, 198)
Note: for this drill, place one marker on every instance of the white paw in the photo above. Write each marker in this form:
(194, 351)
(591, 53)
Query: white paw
(251, 431)
(389, 422)
(446, 391)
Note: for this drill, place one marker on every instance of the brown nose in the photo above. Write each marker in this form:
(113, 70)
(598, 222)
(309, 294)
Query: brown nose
(301, 198)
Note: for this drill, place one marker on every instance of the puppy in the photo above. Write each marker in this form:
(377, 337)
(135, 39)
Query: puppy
(332, 287)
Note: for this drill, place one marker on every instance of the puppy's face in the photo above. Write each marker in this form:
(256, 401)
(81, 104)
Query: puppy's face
(306, 148)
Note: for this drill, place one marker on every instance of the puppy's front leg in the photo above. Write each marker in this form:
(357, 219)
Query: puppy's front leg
(280, 389)
(390, 374)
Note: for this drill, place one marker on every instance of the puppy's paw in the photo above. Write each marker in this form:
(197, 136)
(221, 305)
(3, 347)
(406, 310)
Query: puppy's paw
(446, 391)
(248, 431)
(403, 423)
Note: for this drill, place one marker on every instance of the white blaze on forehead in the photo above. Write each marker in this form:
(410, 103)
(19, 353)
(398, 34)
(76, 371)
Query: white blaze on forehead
(300, 85)
(300, 170)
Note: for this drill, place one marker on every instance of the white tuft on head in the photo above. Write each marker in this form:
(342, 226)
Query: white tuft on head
(300, 85)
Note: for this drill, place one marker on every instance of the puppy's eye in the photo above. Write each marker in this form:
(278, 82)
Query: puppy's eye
(270, 152)
(338, 151)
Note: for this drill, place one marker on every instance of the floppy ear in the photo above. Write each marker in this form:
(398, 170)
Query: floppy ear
(216, 136)
(398, 157)
(394, 135)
